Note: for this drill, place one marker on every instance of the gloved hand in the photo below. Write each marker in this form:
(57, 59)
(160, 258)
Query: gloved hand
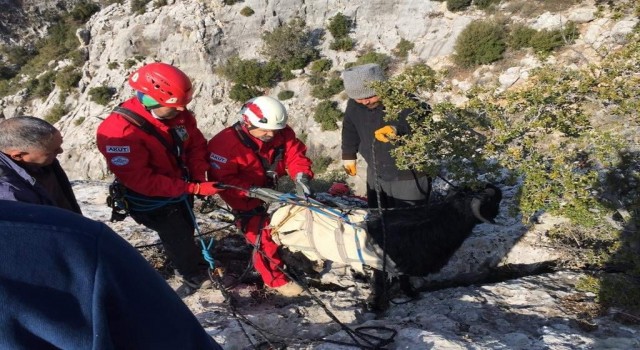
(385, 133)
(203, 188)
(303, 185)
(349, 166)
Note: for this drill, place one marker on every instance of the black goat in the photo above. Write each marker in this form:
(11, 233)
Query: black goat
(422, 240)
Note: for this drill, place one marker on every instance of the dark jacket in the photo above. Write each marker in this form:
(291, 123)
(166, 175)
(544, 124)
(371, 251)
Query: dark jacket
(67, 282)
(17, 185)
(358, 128)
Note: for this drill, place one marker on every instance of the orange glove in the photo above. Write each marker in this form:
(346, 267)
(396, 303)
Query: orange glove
(349, 166)
(385, 133)
(203, 188)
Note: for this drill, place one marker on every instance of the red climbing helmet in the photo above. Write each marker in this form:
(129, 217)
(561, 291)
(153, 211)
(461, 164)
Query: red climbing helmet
(164, 83)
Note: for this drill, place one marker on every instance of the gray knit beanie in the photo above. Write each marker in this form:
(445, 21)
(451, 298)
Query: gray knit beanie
(356, 80)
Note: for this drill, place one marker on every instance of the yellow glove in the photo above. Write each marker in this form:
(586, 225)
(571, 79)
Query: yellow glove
(349, 166)
(385, 133)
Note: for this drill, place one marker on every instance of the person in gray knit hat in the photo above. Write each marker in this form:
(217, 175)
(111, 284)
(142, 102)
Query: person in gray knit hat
(365, 131)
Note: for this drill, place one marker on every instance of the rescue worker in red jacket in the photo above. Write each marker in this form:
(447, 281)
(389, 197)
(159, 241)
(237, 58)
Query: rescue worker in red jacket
(160, 177)
(256, 151)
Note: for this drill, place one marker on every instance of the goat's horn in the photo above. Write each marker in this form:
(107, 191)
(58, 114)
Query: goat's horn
(475, 209)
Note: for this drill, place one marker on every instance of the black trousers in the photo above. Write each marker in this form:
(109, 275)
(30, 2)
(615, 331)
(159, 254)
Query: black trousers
(175, 227)
(399, 193)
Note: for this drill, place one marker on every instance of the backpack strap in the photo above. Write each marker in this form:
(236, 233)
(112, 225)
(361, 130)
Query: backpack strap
(139, 121)
(268, 166)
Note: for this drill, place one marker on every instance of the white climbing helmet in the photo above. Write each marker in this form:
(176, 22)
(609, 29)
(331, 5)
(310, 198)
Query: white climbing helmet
(264, 112)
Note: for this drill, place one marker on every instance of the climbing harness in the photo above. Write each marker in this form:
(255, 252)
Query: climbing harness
(269, 166)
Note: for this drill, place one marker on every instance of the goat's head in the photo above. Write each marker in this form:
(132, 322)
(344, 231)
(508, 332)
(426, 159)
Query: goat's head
(485, 204)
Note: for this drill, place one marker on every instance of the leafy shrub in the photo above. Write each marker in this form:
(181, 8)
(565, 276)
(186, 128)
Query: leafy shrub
(316, 79)
(231, 2)
(285, 95)
(68, 78)
(327, 115)
(342, 44)
(339, 26)
(78, 121)
(251, 72)
(130, 62)
(159, 3)
(290, 45)
(41, 86)
(373, 57)
(481, 42)
(321, 65)
(247, 11)
(484, 4)
(320, 164)
(545, 41)
(6, 72)
(83, 11)
(242, 93)
(403, 48)
(139, 6)
(324, 91)
(56, 113)
(457, 5)
(113, 65)
(101, 95)
(520, 36)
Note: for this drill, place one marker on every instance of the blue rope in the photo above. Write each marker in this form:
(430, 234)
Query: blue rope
(146, 204)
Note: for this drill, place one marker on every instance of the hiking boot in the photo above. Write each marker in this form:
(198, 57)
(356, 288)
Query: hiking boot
(191, 284)
(290, 289)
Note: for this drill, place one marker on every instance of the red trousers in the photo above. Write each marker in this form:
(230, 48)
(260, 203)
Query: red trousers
(266, 259)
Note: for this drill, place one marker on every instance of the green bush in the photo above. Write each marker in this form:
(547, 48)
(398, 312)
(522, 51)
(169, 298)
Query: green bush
(403, 48)
(324, 91)
(327, 115)
(130, 62)
(41, 86)
(339, 26)
(68, 78)
(342, 44)
(242, 93)
(545, 41)
(373, 57)
(321, 65)
(78, 121)
(290, 45)
(481, 42)
(101, 95)
(247, 11)
(520, 36)
(113, 65)
(55, 113)
(83, 11)
(231, 2)
(139, 6)
(457, 5)
(285, 95)
(159, 3)
(320, 164)
(484, 4)
(251, 72)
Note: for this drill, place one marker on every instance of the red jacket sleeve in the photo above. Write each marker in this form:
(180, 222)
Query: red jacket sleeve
(196, 152)
(295, 155)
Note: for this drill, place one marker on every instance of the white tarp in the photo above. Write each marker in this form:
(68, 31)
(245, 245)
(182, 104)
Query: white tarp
(328, 234)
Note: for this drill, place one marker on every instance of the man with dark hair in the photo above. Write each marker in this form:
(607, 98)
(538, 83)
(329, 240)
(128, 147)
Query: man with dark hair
(29, 170)
(93, 291)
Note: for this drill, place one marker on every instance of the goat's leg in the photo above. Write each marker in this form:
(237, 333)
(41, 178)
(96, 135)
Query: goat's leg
(378, 300)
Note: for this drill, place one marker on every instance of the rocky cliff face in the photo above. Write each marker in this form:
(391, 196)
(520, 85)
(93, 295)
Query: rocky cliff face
(197, 36)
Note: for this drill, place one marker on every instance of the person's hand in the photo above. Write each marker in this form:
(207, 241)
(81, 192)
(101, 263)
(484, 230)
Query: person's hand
(203, 188)
(385, 133)
(349, 166)
(303, 185)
